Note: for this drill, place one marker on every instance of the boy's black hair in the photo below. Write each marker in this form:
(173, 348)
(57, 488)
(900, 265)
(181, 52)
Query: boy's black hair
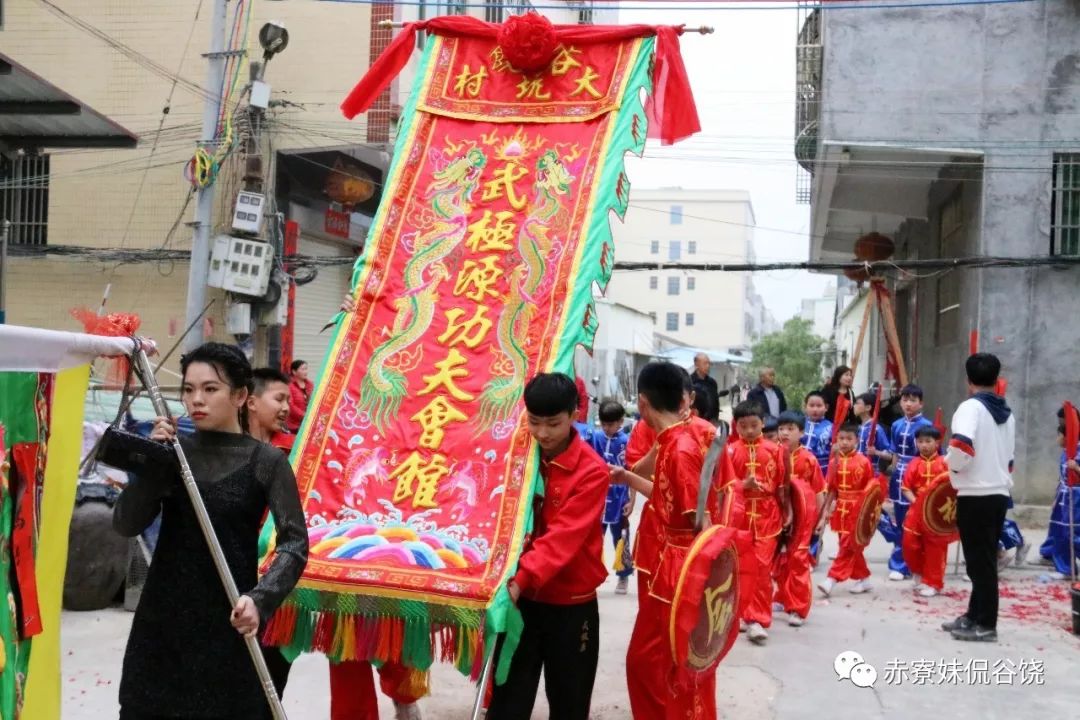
(813, 393)
(983, 369)
(852, 428)
(1061, 428)
(912, 391)
(261, 377)
(747, 408)
(550, 394)
(1061, 412)
(928, 431)
(611, 411)
(868, 399)
(771, 424)
(295, 365)
(701, 403)
(790, 417)
(663, 384)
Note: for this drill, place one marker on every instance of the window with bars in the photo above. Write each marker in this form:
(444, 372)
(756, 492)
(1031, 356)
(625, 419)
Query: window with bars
(673, 285)
(585, 13)
(691, 283)
(24, 198)
(654, 247)
(689, 319)
(654, 282)
(691, 247)
(1065, 205)
(455, 7)
(672, 321)
(493, 11)
(950, 227)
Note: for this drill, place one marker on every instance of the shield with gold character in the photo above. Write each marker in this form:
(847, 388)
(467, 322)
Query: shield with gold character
(705, 611)
(866, 520)
(939, 508)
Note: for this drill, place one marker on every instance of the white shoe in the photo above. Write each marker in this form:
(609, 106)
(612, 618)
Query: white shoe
(410, 711)
(757, 634)
(1003, 560)
(795, 621)
(926, 591)
(896, 576)
(777, 608)
(826, 586)
(742, 626)
(862, 586)
(622, 585)
(917, 579)
(1021, 554)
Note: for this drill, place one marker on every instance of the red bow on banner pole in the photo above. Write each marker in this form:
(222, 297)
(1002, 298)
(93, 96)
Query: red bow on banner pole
(843, 407)
(939, 421)
(671, 109)
(1072, 440)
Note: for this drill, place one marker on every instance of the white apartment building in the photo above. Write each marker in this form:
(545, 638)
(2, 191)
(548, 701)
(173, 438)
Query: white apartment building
(673, 225)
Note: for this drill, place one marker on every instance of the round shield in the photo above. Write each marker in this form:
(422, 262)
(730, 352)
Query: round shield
(804, 509)
(866, 520)
(939, 507)
(705, 610)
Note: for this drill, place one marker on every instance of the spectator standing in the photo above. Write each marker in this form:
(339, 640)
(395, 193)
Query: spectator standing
(980, 465)
(299, 394)
(840, 384)
(705, 386)
(767, 395)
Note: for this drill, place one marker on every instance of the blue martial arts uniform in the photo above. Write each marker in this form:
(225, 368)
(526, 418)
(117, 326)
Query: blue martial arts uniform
(817, 438)
(902, 442)
(1056, 546)
(613, 450)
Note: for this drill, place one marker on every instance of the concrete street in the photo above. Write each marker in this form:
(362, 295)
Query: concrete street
(791, 677)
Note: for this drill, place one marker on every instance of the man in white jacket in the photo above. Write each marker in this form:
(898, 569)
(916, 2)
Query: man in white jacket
(980, 464)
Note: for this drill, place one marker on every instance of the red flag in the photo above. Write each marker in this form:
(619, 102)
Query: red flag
(939, 422)
(843, 407)
(870, 440)
(1072, 439)
(1001, 387)
(973, 342)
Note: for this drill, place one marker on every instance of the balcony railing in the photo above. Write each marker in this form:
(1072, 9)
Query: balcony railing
(808, 58)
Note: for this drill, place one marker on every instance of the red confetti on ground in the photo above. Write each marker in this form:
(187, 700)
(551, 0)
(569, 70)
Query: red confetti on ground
(1029, 602)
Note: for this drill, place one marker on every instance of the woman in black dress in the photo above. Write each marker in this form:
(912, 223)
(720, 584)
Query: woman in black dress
(840, 384)
(185, 655)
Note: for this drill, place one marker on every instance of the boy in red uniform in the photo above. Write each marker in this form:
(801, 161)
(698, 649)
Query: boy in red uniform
(849, 473)
(924, 553)
(268, 408)
(658, 688)
(561, 567)
(759, 465)
(794, 588)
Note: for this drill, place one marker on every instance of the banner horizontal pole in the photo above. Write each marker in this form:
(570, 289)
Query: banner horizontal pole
(703, 29)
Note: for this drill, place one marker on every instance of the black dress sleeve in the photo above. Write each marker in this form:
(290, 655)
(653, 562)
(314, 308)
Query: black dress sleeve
(291, 549)
(154, 476)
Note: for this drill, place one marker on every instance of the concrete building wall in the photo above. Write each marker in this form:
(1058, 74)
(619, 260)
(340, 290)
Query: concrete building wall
(1000, 80)
(719, 223)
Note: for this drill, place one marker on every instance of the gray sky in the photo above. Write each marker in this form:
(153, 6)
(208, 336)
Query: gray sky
(743, 78)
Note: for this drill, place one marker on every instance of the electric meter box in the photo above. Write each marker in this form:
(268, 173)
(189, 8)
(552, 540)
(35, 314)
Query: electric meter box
(240, 265)
(248, 213)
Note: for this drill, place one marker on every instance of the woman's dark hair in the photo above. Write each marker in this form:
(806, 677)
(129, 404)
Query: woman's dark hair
(230, 364)
(837, 374)
(295, 365)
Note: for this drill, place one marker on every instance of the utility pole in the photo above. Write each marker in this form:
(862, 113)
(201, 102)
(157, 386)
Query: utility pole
(204, 205)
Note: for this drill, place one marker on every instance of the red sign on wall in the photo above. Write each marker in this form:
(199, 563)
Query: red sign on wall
(337, 223)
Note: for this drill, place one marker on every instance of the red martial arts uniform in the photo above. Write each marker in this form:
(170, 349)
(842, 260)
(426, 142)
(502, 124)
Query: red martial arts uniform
(848, 477)
(762, 460)
(659, 690)
(924, 553)
(794, 588)
(646, 545)
(352, 689)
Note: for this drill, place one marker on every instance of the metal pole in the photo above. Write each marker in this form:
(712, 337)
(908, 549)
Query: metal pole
(3, 268)
(146, 373)
(204, 204)
(481, 687)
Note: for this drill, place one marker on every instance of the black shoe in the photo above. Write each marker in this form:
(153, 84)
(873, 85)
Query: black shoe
(960, 623)
(975, 633)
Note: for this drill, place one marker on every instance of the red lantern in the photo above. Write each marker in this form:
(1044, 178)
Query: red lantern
(874, 246)
(858, 275)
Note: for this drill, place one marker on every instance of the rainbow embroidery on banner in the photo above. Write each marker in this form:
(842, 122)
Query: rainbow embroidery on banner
(415, 466)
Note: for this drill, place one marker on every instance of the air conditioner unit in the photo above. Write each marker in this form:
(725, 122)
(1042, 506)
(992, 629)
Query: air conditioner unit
(240, 265)
(248, 213)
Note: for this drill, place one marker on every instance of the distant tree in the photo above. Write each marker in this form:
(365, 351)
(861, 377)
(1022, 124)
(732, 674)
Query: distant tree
(795, 354)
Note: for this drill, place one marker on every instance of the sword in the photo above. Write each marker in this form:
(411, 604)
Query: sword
(145, 372)
(712, 457)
